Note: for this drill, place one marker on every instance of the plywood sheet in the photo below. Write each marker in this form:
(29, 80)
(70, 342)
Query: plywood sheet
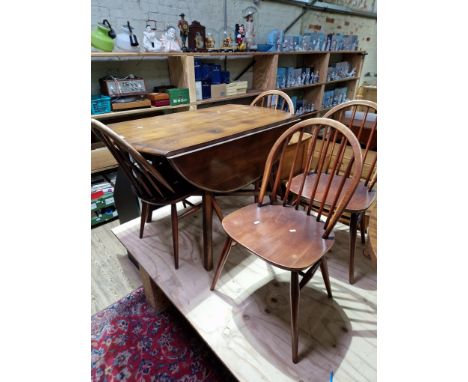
(246, 320)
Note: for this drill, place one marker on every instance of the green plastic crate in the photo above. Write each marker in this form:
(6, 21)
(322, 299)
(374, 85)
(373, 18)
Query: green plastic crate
(178, 96)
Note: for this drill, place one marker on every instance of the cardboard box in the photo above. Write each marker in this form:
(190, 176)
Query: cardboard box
(198, 90)
(237, 87)
(218, 91)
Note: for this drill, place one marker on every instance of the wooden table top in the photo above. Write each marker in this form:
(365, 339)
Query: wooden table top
(179, 133)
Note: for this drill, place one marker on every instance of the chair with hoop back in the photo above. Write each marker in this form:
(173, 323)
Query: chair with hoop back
(151, 187)
(279, 232)
(361, 117)
(274, 99)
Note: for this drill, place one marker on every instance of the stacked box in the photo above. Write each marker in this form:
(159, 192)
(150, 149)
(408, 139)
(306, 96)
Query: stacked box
(281, 78)
(178, 96)
(236, 87)
(218, 91)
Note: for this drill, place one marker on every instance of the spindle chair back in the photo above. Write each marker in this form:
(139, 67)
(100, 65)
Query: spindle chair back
(283, 235)
(274, 99)
(153, 189)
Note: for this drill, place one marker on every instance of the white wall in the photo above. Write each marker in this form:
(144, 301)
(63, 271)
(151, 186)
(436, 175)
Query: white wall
(271, 15)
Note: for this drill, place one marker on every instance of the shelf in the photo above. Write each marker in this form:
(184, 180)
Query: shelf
(342, 80)
(301, 86)
(251, 93)
(309, 114)
(119, 56)
(147, 110)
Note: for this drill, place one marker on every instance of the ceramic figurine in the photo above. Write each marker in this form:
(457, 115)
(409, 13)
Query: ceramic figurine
(184, 31)
(126, 41)
(209, 41)
(249, 28)
(150, 41)
(227, 41)
(240, 37)
(169, 42)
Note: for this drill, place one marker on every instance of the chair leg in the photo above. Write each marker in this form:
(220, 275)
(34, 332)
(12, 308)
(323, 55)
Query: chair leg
(256, 190)
(144, 213)
(149, 214)
(363, 228)
(175, 234)
(352, 245)
(295, 292)
(221, 262)
(326, 277)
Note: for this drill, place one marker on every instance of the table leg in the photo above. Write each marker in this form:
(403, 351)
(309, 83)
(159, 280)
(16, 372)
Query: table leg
(207, 230)
(126, 202)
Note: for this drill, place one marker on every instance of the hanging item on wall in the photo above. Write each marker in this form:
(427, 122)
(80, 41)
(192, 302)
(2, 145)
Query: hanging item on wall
(184, 31)
(150, 41)
(169, 41)
(126, 40)
(196, 37)
(247, 14)
(102, 37)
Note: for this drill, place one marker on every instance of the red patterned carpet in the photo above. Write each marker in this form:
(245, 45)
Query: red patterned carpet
(130, 342)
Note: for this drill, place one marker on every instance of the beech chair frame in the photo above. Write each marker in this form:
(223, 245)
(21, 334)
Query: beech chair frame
(313, 238)
(149, 184)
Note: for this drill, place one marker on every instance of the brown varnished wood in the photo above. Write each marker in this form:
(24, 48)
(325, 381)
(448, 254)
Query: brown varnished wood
(352, 244)
(150, 185)
(181, 133)
(361, 200)
(175, 234)
(282, 235)
(229, 166)
(361, 117)
(207, 230)
(325, 275)
(295, 292)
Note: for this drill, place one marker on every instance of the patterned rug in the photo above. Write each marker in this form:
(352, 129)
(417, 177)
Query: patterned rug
(131, 342)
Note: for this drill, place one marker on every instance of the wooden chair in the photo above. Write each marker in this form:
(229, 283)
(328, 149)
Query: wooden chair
(274, 99)
(149, 184)
(280, 233)
(361, 117)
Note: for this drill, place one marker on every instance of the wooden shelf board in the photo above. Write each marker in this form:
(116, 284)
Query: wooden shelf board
(102, 56)
(146, 110)
(342, 80)
(102, 160)
(251, 93)
(301, 86)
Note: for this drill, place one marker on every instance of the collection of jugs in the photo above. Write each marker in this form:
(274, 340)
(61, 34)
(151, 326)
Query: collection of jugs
(103, 37)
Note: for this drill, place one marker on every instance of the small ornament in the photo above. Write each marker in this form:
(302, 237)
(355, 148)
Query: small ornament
(169, 42)
(196, 37)
(249, 27)
(209, 41)
(150, 41)
(184, 31)
(240, 37)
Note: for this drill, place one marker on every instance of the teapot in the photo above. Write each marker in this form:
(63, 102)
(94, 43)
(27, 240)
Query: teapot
(126, 40)
(102, 37)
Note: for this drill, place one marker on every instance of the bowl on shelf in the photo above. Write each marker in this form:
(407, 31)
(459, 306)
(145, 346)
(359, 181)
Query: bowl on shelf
(264, 47)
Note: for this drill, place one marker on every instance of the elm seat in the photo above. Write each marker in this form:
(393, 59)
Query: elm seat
(265, 230)
(361, 118)
(361, 200)
(278, 232)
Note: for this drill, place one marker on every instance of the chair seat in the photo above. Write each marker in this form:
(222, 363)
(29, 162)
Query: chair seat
(361, 200)
(282, 236)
